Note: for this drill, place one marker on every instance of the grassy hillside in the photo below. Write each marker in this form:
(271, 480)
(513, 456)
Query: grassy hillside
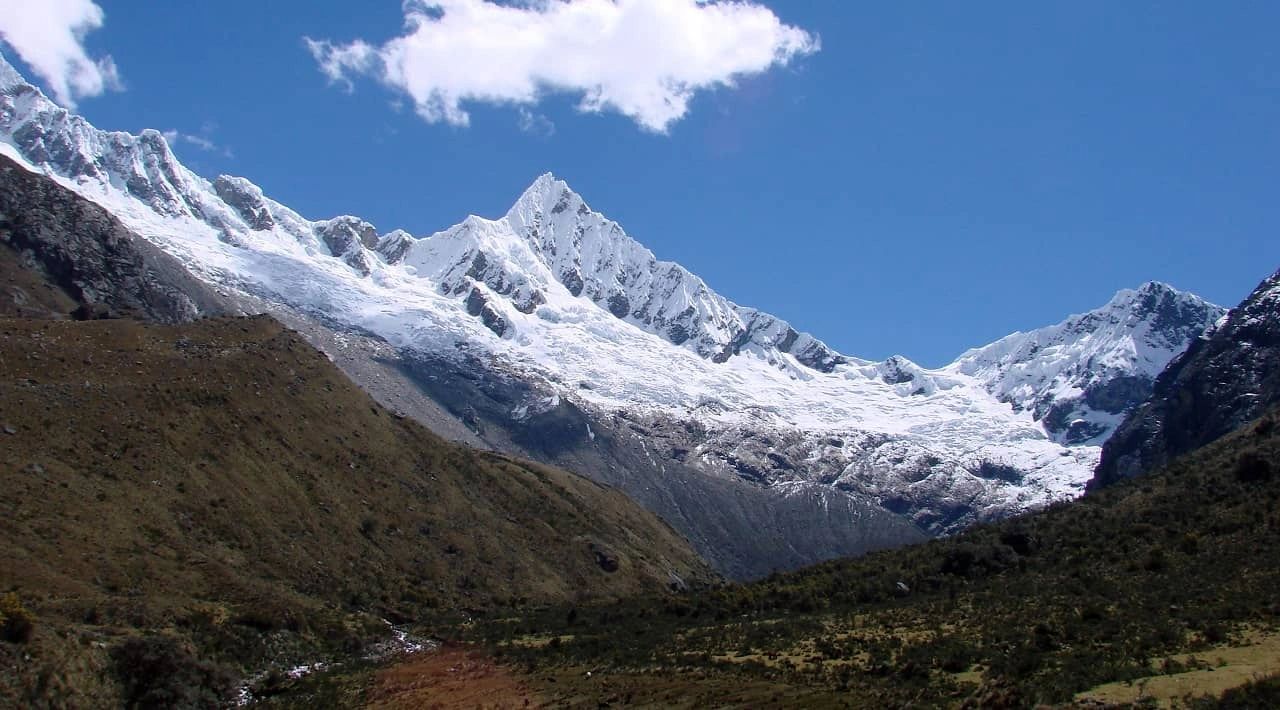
(222, 484)
(1168, 586)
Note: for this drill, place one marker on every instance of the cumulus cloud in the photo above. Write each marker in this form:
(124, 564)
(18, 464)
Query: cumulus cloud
(49, 36)
(644, 59)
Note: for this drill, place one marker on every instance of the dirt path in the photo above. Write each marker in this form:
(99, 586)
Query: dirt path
(449, 678)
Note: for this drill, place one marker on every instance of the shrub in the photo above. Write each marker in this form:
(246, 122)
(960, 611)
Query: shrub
(1018, 541)
(158, 672)
(959, 560)
(16, 623)
(1265, 427)
(1215, 633)
(1190, 543)
(1251, 467)
(1258, 693)
(1155, 561)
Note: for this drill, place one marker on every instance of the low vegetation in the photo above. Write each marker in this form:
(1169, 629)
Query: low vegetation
(16, 623)
(160, 672)
(1176, 573)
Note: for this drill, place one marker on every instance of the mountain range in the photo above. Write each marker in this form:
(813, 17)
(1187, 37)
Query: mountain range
(550, 333)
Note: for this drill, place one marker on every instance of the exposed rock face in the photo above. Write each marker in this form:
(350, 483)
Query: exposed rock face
(88, 253)
(478, 305)
(898, 371)
(393, 245)
(1224, 380)
(247, 199)
(349, 239)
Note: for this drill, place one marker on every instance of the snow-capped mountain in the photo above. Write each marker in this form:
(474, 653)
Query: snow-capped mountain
(551, 333)
(1080, 377)
(1222, 382)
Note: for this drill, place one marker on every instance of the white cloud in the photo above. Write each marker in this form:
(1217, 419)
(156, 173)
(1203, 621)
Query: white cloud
(203, 141)
(49, 36)
(535, 124)
(642, 58)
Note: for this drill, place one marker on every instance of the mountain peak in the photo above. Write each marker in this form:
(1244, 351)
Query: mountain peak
(542, 186)
(546, 178)
(1150, 290)
(1151, 295)
(1224, 380)
(1157, 287)
(547, 194)
(1081, 376)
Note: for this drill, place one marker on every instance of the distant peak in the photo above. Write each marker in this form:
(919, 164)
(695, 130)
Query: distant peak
(1159, 288)
(10, 77)
(1151, 293)
(547, 194)
(546, 178)
(545, 184)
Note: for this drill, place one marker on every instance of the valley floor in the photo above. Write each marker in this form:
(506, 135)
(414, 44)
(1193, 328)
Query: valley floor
(471, 677)
(1159, 592)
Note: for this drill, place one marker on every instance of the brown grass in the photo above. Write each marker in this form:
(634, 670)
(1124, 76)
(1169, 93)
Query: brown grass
(225, 474)
(449, 678)
(1221, 668)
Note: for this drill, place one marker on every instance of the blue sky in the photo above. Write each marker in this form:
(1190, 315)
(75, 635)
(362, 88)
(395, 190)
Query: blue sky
(935, 176)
